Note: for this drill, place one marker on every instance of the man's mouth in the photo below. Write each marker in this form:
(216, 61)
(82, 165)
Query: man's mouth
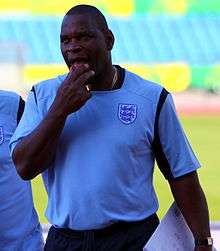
(77, 62)
(74, 63)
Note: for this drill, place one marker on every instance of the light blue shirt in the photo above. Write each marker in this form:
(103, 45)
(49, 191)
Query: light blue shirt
(103, 170)
(19, 226)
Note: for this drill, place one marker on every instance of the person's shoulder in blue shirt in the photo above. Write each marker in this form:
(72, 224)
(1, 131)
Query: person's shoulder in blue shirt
(19, 225)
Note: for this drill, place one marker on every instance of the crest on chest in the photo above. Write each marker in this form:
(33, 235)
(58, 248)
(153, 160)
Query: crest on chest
(127, 113)
(1, 135)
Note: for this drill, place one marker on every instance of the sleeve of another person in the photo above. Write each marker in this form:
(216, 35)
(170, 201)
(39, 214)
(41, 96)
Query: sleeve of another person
(28, 122)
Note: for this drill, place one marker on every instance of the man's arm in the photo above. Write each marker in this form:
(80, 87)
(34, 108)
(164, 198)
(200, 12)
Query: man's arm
(191, 200)
(34, 153)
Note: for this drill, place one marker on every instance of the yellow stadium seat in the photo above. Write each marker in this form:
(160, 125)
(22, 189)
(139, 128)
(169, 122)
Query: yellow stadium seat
(14, 5)
(119, 8)
(175, 77)
(58, 7)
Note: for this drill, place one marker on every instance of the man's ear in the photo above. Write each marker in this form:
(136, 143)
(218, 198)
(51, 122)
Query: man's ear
(110, 39)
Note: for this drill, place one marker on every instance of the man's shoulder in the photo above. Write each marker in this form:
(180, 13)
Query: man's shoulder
(51, 82)
(8, 98)
(9, 102)
(47, 87)
(9, 95)
(141, 86)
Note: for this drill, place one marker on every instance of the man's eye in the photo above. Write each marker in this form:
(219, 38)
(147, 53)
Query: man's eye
(65, 41)
(86, 37)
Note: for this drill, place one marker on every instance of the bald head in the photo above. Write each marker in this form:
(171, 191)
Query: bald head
(91, 11)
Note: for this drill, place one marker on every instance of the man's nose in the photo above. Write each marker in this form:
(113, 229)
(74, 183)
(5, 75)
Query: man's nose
(74, 46)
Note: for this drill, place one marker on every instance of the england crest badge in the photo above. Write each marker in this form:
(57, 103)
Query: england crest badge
(1, 135)
(127, 113)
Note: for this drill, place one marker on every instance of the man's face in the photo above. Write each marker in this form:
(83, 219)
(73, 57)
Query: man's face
(82, 42)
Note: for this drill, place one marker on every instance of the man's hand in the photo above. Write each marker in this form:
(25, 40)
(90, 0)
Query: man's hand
(191, 201)
(37, 150)
(73, 94)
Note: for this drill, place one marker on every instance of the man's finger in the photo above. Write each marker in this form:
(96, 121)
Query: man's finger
(75, 72)
(83, 78)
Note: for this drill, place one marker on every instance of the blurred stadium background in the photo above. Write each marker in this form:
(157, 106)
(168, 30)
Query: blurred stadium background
(175, 43)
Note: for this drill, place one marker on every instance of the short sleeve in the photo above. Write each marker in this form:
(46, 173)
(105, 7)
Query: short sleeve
(28, 122)
(173, 152)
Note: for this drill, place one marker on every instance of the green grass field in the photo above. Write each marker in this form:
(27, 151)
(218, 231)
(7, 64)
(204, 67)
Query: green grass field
(204, 135)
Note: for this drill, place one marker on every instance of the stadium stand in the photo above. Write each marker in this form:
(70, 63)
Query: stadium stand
(113, 7)
(159, 39)
(192, 39)
(152, 37)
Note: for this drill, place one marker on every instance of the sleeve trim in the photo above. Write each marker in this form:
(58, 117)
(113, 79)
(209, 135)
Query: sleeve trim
(163, 95)
(160, 156)
(20, 109)
(35, 96)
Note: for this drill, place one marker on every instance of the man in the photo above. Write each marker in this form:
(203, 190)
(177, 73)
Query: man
(19, 226)
(94, 134)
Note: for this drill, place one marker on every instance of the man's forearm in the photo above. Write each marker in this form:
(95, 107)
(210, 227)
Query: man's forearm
(36, 151)
(191, 200)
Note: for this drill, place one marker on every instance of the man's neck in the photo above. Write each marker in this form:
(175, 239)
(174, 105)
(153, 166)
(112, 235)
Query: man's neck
(106, 80)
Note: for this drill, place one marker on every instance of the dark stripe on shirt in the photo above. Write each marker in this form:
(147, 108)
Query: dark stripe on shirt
(35, 96)
(20, 110)
(160, 156)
